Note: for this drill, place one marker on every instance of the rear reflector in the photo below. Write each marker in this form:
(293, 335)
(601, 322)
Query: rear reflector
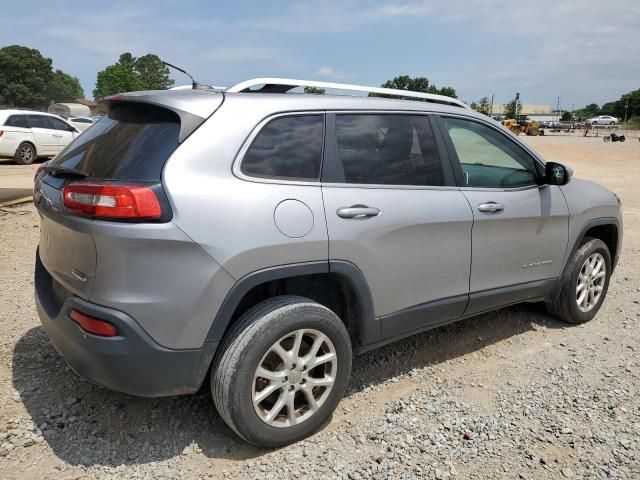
(94, 325)
(110, 201)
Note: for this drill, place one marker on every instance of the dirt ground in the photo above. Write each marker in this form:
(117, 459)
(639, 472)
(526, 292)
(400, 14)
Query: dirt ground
(512, 394)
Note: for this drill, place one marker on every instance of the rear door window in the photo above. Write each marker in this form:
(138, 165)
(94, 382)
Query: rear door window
(17, 121)
(388, 149)
(132, 142)
(39, 121)
(288, 148)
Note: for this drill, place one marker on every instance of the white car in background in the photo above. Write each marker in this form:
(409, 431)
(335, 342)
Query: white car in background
(81, 123)
(602, 120)
(26, 136)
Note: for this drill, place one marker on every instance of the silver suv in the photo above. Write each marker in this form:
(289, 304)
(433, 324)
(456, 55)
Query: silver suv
(259, 238)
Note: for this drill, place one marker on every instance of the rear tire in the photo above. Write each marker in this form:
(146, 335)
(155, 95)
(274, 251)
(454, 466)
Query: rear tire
(583, 288)
(25, 154)
(270, 354)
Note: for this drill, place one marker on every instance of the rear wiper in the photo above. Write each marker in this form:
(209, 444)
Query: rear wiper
(63, 171)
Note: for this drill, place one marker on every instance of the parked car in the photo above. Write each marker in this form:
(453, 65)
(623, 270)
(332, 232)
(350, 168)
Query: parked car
(26, 136)
(602, 120)
(267, 237)
(81, 123)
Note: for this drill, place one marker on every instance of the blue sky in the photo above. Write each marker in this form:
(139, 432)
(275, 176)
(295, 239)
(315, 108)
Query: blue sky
(583, 50)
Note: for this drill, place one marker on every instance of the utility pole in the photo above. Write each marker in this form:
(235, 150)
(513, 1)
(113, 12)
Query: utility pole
(626, 108)
(491, 111)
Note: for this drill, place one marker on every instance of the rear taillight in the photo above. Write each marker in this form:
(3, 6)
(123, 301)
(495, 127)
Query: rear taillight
(94, 325)
(1, 133)
(112, 202)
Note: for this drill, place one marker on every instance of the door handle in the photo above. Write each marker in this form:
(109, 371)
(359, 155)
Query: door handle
(491, 207)
(357, 212)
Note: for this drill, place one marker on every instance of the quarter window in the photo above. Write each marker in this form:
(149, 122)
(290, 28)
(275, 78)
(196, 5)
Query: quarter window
(387, 149)
(287, 148)
(17, 121)
(489, 159)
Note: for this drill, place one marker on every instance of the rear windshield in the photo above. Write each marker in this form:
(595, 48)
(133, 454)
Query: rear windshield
(132, 142)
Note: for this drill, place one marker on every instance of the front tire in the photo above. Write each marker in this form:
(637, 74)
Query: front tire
(584, 283)
(281, 371)
(25, 154)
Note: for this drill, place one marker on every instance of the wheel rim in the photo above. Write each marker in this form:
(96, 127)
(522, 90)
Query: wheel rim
(294, 378)
(591, 282)
(26, 154)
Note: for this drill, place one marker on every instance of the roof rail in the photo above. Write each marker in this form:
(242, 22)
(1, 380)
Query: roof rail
(283, 85)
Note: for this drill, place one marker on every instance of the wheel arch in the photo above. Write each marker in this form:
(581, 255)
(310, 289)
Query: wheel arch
(606, 229)
(30, 142)
(338, 285)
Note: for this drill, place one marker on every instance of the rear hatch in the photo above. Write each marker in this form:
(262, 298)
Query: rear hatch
(110, 173)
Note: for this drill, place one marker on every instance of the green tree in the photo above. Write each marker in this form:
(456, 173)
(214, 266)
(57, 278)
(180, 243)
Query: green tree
(447, 91)
(510, 110)
(417, 84)
(315, 90)
(116, 79)
(64, 88)
(131, 74)
(482, 106)
(153, 74)
(566, 117)
(24, 77)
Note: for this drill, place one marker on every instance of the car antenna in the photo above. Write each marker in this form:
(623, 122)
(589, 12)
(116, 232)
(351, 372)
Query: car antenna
(195, 85)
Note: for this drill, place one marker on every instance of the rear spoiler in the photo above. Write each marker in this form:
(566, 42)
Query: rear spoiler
(192, 106)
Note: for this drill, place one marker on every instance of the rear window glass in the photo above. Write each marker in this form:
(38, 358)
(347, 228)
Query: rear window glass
(132, 142)
(17, 121)
(287, 147)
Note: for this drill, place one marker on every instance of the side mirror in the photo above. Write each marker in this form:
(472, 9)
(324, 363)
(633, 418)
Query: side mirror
(557, 174)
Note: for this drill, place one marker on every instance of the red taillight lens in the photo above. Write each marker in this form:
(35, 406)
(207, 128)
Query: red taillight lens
(94, 325)
(1, 133)
(107, 201)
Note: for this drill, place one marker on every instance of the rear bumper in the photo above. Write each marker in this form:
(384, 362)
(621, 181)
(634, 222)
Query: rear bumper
(132, 363)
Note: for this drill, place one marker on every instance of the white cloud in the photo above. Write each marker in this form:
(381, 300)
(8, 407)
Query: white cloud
(324, 72)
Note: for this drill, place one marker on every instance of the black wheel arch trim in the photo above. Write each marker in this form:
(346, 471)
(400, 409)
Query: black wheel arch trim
(368, 325)
(594, 222)
(598, 222)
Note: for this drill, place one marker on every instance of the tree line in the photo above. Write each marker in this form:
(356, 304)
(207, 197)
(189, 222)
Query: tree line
(28, 80)
(627, 105)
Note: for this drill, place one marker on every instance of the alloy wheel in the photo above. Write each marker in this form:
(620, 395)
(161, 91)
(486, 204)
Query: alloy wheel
(26, 153)
(294, 378)
(591, 280)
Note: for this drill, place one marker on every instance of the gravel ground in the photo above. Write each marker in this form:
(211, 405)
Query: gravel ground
(512, 394)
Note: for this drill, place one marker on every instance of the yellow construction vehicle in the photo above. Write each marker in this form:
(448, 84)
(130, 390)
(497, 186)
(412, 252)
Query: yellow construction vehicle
(522, 124)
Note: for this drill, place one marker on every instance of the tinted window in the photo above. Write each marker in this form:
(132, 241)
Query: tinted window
(388, 149)
(17, 121)
(287, 147)
(81, 120)
(488, 158)
(132, 142)
(58, 124)
(39, 121)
